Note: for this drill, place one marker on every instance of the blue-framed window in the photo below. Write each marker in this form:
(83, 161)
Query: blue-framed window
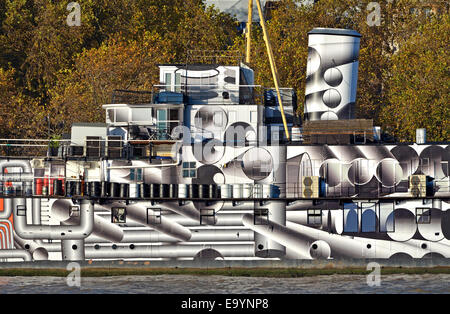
(189, 170)
(351, 217)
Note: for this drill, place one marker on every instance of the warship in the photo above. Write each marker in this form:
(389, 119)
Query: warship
(209, 166)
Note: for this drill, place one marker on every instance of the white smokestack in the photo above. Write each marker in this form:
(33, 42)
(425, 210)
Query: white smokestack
(332, 74)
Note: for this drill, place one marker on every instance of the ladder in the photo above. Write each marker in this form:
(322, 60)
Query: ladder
(45, 211)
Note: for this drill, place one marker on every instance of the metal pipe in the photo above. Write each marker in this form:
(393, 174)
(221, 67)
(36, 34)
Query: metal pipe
(278, 233)
(36, 250)
(141, 214)
(107, 230)
(24, 164)
(3, 237)
(27, 174)
(223, 219)
(168, 251)
(7, 208)
(300, 239)
(25, 255)
(102, 228)
(81, 231)
(206, 235)
(8, 227)
(36, 211)
(73, 250)
(16, 177)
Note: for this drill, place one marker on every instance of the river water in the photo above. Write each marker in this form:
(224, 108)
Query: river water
(179, 284)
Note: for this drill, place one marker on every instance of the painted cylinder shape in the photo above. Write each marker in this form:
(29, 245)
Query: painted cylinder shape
(332, 74)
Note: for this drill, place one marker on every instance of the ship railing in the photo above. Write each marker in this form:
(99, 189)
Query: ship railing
(29, 147)
(441, 187)
(205, 94)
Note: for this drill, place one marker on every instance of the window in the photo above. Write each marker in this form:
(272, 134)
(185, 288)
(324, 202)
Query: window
(21, 210)
(189, 170)
(154, 216)
(261, 216)
(110, 115)
(423, 215)
(368, 217)
(122, 115)
(315, 217)
(386, 216)
(136, 174)
(141, 114)
(168, 81)
(74, 211)
(118, 215)
(351, 217)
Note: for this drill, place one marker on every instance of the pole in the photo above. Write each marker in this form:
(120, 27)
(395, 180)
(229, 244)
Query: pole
(272, 66)
(249, 31)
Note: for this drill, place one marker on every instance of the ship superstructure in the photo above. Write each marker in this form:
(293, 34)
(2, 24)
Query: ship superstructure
(200, 168)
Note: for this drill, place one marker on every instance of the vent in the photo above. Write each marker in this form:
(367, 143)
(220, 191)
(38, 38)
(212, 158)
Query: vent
(418, 185)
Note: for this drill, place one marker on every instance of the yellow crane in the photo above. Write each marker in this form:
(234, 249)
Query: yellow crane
(273, 66)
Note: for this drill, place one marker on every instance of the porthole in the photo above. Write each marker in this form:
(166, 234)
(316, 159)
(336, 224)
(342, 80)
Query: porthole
(260, 246)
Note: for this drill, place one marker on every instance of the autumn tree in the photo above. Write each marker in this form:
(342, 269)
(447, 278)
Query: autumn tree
(123, 62)
(419, 85)
(381, 39)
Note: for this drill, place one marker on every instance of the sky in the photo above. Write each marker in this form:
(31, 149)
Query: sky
(240, 7)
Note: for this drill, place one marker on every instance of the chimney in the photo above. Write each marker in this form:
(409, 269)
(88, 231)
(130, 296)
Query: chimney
(332, 74)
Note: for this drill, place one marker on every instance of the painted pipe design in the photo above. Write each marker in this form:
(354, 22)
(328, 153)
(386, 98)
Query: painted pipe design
(73, 250)
(167, 251)
(81, 231)
(9, 237)
(5, 244)
(102, 227)
(38, 253)
(205, 235)
(23, 254)
(278, 233)
(141, 214)
(332, 74)
(26, 175)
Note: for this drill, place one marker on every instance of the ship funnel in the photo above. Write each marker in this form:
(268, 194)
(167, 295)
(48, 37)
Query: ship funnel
(332, 74)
